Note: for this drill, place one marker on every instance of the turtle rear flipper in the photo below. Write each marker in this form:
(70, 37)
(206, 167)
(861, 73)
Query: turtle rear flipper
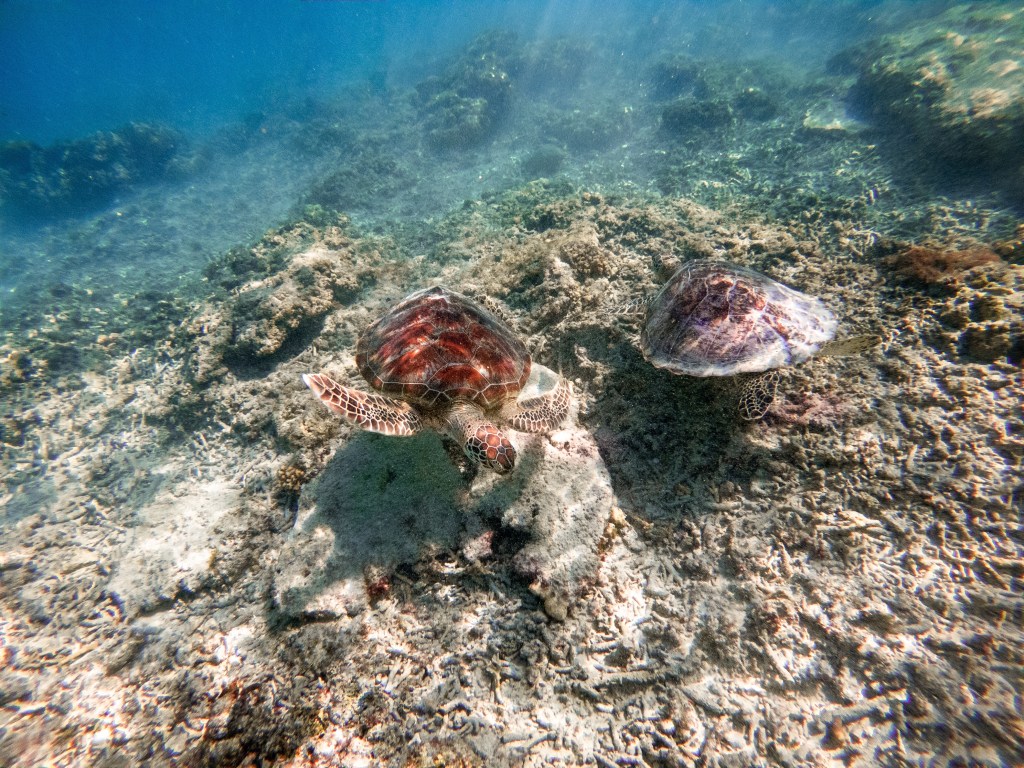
(851, 345)
(374, 413)
(758, 395)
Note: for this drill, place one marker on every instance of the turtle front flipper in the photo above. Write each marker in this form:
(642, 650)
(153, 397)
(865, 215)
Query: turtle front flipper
(543, 412)
(374, 413)
(757, 395)
(481, 440)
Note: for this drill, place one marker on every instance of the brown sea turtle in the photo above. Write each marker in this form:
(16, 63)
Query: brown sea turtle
(713, 318)
(439, 360)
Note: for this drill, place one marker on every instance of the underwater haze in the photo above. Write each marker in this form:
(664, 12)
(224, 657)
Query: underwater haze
(581, 383)
(70, 69)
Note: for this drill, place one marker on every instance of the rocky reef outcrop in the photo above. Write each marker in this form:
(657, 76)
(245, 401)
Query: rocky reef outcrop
(271, 318)
(953, 85)
(463, 106)
(71, 176)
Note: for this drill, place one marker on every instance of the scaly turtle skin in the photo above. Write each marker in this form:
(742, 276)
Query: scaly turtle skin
(439, 360)
(713, 318)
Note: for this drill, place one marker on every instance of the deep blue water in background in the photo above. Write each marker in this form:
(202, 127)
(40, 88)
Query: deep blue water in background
(70, 67)
(243, 85)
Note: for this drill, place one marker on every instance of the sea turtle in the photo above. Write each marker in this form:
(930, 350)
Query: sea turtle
(713, 318)
(439, 360)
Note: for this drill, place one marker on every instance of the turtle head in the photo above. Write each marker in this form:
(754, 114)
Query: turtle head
(488, 445)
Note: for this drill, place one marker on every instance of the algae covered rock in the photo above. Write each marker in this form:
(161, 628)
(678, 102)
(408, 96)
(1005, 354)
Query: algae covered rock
(686, 117)
(77, 175)
(676, 76)
(543, 162)
(463, 106)
(269, 313)
(955, 84)
(455, 121)
(587, 126)
(275, 317)
(371, 177)
(755, 103)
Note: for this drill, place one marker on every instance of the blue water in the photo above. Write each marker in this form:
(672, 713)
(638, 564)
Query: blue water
(238, 81)
(70, 68)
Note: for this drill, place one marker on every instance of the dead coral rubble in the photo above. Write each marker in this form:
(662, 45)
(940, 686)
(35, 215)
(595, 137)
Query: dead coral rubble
(837, 586)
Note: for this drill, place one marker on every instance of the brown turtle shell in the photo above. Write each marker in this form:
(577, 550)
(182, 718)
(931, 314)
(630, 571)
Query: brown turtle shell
(436, 347)
(713, 318)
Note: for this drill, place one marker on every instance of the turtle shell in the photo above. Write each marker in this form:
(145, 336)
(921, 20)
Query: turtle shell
(713, 318)
(437, 346)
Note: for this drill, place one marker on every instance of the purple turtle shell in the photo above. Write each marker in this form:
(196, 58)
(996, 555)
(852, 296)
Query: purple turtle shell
(437, 346)
(713, 318)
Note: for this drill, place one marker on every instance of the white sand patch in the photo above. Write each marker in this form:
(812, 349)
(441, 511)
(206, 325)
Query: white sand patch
(385, 501)
(170, 551)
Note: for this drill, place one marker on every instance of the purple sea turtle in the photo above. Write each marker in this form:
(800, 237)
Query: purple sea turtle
(713, 318)
(439, 360)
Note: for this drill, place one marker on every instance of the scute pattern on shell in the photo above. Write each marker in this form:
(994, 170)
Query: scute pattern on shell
(437, 346)
(713, 318)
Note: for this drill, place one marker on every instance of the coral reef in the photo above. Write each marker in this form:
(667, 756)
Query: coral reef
(656, 582)
(953, 83)
(201, 567)
(72, 176)
(464, 106)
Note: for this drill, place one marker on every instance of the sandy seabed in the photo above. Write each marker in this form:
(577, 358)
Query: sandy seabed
(201, 566)
(658, 583)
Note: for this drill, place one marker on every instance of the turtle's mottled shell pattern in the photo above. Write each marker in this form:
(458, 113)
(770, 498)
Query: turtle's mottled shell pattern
(436, 347)
(713, 318)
